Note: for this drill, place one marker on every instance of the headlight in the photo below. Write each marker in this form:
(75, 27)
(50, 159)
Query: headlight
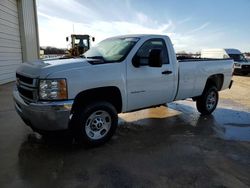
(53, 89)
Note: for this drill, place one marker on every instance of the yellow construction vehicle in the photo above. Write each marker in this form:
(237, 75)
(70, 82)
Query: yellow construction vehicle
(79, 44)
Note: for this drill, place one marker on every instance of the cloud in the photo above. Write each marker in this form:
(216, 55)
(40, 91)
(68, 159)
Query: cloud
(142, 18)
(185, 20)
(203, 26)
(57, 20)
(54, 30)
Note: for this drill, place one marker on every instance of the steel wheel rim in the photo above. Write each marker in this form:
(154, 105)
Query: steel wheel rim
(98, 124)
(211, 100)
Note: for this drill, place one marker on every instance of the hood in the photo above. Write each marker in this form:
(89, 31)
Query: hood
(44, 68)
(242, 62)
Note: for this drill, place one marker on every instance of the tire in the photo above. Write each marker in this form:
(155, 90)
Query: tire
(94, 124)
(208, 101)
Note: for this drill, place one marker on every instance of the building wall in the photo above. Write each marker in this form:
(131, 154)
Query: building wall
(18, 36)
(28, 29)
(10, 40)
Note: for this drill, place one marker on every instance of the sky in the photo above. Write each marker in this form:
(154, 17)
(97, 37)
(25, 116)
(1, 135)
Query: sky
(191, 24)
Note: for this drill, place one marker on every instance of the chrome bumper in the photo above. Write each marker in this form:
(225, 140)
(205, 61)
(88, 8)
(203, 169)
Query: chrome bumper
(43, 116)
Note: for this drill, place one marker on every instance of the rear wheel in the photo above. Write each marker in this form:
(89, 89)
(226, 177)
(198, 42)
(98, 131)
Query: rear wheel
(95, 123)
(208, 101)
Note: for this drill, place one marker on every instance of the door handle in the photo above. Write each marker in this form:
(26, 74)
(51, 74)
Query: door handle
(167, 72)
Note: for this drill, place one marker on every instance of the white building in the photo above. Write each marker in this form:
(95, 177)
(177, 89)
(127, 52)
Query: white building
(19, 40)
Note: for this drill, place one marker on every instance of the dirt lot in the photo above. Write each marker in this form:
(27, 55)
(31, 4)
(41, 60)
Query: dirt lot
(160, 147)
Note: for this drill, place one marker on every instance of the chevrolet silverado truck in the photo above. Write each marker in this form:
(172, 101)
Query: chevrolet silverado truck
(120, 74)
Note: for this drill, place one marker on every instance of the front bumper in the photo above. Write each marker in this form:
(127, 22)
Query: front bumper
(243, 70)
(43, 116)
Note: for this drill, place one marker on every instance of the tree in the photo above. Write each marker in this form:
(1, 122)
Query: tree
(53, 50)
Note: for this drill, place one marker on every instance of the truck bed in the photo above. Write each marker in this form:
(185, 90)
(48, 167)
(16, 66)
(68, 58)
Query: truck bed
(194, 73)
(188, 59)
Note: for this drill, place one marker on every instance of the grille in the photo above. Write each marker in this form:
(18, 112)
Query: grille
(27, 88)
(26, 93)
(245, 67)
(25, 79)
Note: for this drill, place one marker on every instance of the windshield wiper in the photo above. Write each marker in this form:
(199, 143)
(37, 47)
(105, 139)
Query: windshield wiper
(96, 59)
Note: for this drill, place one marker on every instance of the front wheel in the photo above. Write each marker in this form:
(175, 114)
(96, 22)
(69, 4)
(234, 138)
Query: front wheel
(208, 101)
(95, 123)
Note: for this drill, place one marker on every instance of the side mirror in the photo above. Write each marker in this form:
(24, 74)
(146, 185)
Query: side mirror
(154, 59)
(136, 61)
(93, 39)
(67, 39)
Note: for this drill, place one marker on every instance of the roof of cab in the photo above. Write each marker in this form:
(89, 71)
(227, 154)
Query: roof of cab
(140, 36)
(232, 51)
(227, 50)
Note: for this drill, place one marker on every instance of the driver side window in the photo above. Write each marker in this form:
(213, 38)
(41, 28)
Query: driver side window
(143, 52)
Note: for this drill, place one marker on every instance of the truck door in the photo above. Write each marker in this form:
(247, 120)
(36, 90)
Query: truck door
(148, 86)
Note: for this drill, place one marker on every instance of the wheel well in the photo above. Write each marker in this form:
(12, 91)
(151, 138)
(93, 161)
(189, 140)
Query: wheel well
(215, 80)
(110, 94)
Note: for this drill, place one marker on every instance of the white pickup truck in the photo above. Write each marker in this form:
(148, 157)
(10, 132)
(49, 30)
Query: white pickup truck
(120, 74)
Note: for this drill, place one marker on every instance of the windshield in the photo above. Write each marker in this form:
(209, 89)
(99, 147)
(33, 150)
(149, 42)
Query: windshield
(238, 57)
(111, 50)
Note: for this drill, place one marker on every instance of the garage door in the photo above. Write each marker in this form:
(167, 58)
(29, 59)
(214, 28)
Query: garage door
(10, 44)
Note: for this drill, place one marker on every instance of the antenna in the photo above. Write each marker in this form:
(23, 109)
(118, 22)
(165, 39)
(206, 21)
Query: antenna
(73, 29)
